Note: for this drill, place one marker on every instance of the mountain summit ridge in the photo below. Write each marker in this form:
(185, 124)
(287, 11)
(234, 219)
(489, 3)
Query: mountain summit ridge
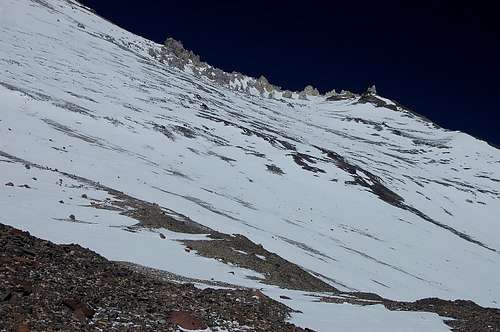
(175, 54)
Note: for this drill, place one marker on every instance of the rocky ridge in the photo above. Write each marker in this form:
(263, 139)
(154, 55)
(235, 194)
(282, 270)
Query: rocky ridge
(176, 55)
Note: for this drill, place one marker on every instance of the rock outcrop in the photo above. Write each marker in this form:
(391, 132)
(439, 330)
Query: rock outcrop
(176, 55)
(372, 90)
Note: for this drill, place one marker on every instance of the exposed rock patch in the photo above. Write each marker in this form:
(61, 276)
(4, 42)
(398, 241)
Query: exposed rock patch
(274, 169)
(466, 316)
(239, 250)
(69, 288)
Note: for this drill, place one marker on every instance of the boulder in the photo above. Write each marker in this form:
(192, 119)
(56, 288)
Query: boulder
(186, 321)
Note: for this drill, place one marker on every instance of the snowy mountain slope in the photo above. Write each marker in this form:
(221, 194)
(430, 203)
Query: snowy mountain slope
(359, 192)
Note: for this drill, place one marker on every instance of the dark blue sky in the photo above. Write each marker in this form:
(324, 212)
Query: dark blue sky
(439, 58)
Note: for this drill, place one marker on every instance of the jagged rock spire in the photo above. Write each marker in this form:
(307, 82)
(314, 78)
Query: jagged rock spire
(311, 91)
(177, 48)
(372, 90)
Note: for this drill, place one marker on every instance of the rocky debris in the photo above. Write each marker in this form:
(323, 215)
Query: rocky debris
(467, 315)
(53, 287)
(39, 274)
(153, 216)
(169, 276)
(186, 321)
(276, 270)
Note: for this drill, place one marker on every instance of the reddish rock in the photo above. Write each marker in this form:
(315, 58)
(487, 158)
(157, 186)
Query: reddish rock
(21, 328)
(186, 321)
(258, 294)
(79, 309)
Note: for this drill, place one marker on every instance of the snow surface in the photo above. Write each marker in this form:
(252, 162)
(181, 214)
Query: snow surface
(82, 95)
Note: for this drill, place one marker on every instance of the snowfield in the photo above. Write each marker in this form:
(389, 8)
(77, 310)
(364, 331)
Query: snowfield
(366, 197)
